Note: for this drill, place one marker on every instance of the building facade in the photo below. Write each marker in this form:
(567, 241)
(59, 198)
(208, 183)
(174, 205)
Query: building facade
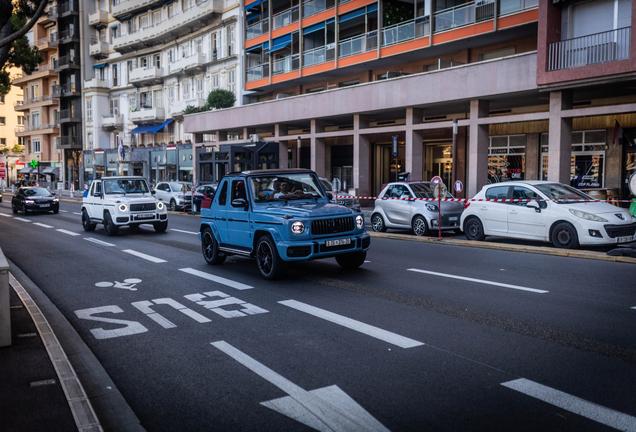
(11, 123)
(149, 62)
(474, 91)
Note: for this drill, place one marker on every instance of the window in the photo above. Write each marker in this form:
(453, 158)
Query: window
(158, 61)
(171, 95)
(132, 101)
(89, 109)
(523, 193)
(114, 33)
(1, 99)
(3, 121)
(223, 195)
(497, 54)
(35, 91)
(231, 75)
(3, 141)
(114, 106)
(197, 44)
(498, 192)
(214, 46)
(21, 120)
(143, 21)
(36, 145)
(200, 89)
(90, 141)
(102, 74)
(314, 90)
(156, 17)
(186, 89)
(215, 82)
(349, 83)
(143, 62)
(231, 41)
(115, 76)
(35, 119)
(30, 37)
(158, 99)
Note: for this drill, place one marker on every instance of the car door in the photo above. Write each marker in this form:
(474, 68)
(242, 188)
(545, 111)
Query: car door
(398, 211)
(95, 199)
(494, 215)
(238, 216)
(524, 221)
(161, 192)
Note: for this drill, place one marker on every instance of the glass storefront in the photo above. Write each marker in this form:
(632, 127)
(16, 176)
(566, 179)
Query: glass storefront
(185, 165)
(506, 158)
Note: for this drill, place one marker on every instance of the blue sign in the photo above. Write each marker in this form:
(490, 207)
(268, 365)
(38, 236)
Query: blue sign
(394, 145)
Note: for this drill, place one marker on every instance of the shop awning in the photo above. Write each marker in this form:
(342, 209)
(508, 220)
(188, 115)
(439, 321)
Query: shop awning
(352, 15)
(25, 170)
(140, 129)
(280, 43)
(51, 170)
(155, 129)
(314, 28)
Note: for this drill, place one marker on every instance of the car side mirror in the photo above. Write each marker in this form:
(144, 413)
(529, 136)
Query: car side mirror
(239, 202)
(153, 192)
(534, 205)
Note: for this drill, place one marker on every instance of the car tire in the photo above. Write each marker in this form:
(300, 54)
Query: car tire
(109, 226)
(564, 236)
(351, 260)
(420, 226)
(24, 209)
(56, 211)
(86, 222)
(377, 223)
(210, 248)
(269, 263)
(173, 205)
(474, 229)
(160, 226)
(14, 209)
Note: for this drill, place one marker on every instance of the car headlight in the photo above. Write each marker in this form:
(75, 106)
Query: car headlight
(298, 227)
(160, 206)
(123, 207)
(587, 216)
(359, 221)
(29, 201)
(431, 207)
(56, 200)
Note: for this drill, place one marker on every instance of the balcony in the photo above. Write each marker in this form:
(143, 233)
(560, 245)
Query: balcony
(25, 104)
(177, 107)
(256, 73)
(287, 17)
(147, 115)
(312, 7)
(466, 14)
(44, 44)
(286, 64)
(180, 24)
(257, 29)
(192, 64)
(70, 142)
(42, 71)
(52, 14)
(146, 76)
(67, 62)
(96, 83)
(99, 49)
(98, 18)
(66, 36)
(66, 90)
(68, 8)
(319, 55)
(513, 6)
(68, 116)
(126, 7)
(593, 49)
(39, 129)
(112, 122)
(406, 31)
(358, 44)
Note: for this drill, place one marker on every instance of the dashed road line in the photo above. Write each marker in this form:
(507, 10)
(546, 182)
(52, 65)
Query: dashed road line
(71, 233)
(592, 411)
(63, 211)
(22, 219)
(42, 225)
(144, 256)
(369, 330)
(633, 307)
(217, 279)
(5, 215)
(94, 240)
(538, 291)
(77, 213)
(182, 231)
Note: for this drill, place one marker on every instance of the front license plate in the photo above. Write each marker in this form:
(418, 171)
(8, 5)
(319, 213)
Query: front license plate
(338, 242)
(45, 205)
(145, 216)
(452, 218)
(625, 239)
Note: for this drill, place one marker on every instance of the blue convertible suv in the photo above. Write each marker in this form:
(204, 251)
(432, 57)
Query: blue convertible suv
(279, 216)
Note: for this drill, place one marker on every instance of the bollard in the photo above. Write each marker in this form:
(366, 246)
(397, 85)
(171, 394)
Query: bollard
(5, 318)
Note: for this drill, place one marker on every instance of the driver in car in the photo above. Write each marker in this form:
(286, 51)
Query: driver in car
(286, 189)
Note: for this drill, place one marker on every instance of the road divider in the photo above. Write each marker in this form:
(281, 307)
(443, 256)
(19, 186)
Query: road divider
(481, 281)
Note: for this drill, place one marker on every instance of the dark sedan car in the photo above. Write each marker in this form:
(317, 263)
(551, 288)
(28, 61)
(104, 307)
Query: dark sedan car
(35, 199)
(200, 194)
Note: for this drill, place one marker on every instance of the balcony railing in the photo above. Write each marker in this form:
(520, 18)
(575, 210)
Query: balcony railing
(405, 31)
(25, 102)
(193, 61)
(43, 42)
(286, 17)
(582, 51)
(358, 44)
(257, 72)
(313, 7)
(67, 34)
(95, 83)
(319, 55)
(66, 60)
(178, 107)
(151, 73)
(53, 12)
(68, 114)
(257, 29)
(68, 7)
(142, 114)
(512, 6)
(31, 128)
(465, 14)
(286, 64)
(98, 17)
(70, 141)
(68, 89)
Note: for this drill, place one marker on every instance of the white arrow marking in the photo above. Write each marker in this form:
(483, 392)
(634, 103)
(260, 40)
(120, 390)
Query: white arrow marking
(42, 225)
(481, 281)
(325, 409)
(94, 240)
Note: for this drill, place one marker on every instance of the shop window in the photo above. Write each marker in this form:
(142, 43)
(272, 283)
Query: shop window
(506, 158)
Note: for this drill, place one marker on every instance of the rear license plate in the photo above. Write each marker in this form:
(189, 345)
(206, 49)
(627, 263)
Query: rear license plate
(452, 218)
(45, 205)
(338, 242)
(145, 216)
(625, 239)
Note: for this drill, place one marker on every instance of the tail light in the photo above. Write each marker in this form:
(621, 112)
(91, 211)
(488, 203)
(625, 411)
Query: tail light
(466, 204)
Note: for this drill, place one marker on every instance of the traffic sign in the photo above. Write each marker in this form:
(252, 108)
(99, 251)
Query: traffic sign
(436, 179)
(440, 191)
(459, 186)
(3, 173)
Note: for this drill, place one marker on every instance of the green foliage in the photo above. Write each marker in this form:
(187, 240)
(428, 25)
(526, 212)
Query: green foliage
(17, 148)
(21, 55)
(219, 99)
(395, 12)
(192, 109)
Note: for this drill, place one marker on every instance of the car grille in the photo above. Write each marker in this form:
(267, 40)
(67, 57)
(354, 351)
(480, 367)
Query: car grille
(614, 231)
(143, 207)
(332, 226)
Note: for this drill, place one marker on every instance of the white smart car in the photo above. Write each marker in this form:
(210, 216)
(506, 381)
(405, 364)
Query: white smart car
(558, 214)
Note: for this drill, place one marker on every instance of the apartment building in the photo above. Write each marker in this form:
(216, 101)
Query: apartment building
(150, 61)
(38, 109)
(10, 123)
(476, 91)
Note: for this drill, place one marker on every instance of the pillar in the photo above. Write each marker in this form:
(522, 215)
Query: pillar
(361, 156)
(247, 132)
(477, 148)
(414, 145)
(533, 156)
(560, 138)
(317, 148)
(283, 145)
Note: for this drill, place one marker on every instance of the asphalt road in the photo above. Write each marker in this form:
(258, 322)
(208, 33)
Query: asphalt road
(421, 337)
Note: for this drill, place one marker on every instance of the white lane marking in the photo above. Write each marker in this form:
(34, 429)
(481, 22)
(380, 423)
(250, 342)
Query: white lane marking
(366, 261)
(5, 215)
(94, 240)
(186, 232)
(63, 211)
(144, 256)
(42, 225)
(324, 409)
(77, 213)
(479, 281)
(67, 232)
(22, 219)
(592, 411)
(633, 307)
(217, 279)
(378, 333)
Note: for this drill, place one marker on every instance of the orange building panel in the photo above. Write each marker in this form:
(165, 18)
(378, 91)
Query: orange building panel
(319, 68)
(256, 84)
(248, 2)
(404, 47)
(358, 58)
(355, 4)
(322, 16)
(257, 40)
(517, 19)
(464, 32)
(285, 76)
(285, 30)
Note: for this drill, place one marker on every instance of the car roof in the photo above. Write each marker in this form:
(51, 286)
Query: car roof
(272, 172)
(522, 182)
(122, 178)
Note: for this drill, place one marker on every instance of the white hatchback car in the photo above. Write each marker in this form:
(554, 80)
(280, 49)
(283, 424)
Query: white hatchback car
(559, 215)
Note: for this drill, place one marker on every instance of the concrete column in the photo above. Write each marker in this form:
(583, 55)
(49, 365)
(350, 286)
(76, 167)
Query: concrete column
(560, 138)
(317, 148)
(613, 161)
(5, 317)
(462, 162)
(414, 145)
(361, 156)
(247, 132)
(533, 156)
(477, 148)
(283, 156)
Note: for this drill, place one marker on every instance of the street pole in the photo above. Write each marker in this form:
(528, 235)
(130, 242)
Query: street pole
(454, 154)
(298, 153)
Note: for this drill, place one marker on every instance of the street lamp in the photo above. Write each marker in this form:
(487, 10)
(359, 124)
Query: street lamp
(37, 179)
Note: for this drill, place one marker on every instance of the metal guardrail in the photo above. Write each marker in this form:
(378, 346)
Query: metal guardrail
(592, 49)
(358, 44)
(257, 29)
(405, 31)
(465, 14)
(319, 55)
(257, 72)
(286, 17)
(286, 64)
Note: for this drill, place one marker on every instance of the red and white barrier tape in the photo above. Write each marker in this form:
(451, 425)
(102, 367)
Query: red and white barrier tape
(467, 199)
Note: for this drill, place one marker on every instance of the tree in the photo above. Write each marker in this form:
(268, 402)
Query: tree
(220, 99)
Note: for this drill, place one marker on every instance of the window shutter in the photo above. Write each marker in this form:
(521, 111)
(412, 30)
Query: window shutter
(624, 13)
(592, 17)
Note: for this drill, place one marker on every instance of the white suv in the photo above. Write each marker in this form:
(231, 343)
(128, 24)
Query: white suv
(176, 195)
(122, 201)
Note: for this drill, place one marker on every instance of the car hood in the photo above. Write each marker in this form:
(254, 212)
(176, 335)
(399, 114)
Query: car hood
(136, 198)
(304, 209)
(40, 197)
(603, 209)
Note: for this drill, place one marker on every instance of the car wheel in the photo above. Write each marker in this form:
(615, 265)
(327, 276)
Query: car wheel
(56, 211)
(86, 222)
(270, 264)
(420, 226)
(109, 226)
(210, 248)
(160, 226)
(564, 236)
(351, 260)
(173, 205)
(14, 208)
(474, 229)
(24, 209)
(377, 223)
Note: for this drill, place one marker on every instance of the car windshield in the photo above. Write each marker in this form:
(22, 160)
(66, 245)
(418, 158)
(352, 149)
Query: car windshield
(180, 187)
(558, 191)
(37, 191)
(326, 184)
(425, 190)
(125, 186)
(285, 187)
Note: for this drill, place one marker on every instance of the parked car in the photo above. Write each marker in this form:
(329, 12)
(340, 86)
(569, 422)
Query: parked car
(278, 217)
(34, 199)
(122, 201)
(550, 217)
(0, 196)
(344, 198)
(176, 195)
(420, 216)
(200, 193)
